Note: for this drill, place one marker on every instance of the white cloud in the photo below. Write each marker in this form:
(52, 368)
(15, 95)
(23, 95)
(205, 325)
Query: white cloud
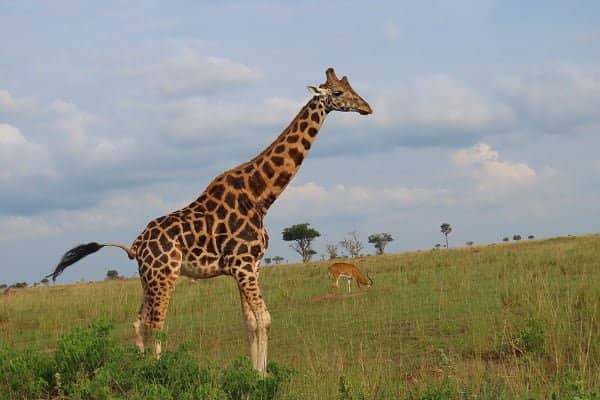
(442, 101)
(9, 135)
(19, 227)
(10, 103)
(492, 175)
(357, 199)
(186, 71)
(73, 122)
(200, 120)
(80, 140)
(560, 99)
(113, 211)
(19, 157)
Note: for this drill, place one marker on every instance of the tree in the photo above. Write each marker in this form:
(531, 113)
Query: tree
(470, 243)
(45, 281)
(112, 274)
(530, 237)
(516, 237)
(332, 250)
(3, 286)
(302, 235)
(277, 259)
(446, 229)
(353, 245)
(379, 241)
(267, 260)
(505, 239)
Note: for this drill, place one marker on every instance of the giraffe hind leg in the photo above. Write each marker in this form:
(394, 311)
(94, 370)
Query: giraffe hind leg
(138, 325)
(155, 319)
(158, 288)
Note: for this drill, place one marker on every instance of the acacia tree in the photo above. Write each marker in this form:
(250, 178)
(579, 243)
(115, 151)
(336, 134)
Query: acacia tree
(352, 244)
(278, 259)
(446, 229)
(112, 274)
(302, 235)
(379, 241)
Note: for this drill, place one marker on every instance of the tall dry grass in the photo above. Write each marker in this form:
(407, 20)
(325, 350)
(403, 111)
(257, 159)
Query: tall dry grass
(504, 321)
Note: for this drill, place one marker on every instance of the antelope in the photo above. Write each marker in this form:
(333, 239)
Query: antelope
(349, 271)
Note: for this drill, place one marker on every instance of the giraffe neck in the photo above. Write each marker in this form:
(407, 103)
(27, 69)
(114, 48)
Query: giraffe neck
(275, 166)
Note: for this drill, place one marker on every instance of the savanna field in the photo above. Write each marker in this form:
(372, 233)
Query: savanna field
(510, 321)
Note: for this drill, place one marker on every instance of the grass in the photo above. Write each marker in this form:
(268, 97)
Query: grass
(511, 321)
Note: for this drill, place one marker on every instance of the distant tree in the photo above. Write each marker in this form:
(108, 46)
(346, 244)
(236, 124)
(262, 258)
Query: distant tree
(3, 286)
(302, 235)
(20, 285)
(437, 246)
(470, 243)
(278, 259)
(45, 281)
(446, 229)
(530, 237)
(267, 260)
(112, 274)
(505, 239)
(379, 241)
(332, 250)
(352, 244)
(516, 237)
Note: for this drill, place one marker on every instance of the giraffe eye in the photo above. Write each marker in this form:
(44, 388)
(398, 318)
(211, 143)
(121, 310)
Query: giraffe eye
(337, 93)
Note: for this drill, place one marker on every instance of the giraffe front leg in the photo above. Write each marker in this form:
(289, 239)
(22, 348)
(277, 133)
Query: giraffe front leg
(258, 328)
(252, 329)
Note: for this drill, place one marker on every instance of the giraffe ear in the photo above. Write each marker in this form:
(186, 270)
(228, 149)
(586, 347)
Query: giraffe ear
(317, 91)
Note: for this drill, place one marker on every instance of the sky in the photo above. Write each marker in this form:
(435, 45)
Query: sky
(486, 116)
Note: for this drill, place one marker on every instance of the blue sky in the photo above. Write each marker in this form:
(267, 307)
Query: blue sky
(113, 113)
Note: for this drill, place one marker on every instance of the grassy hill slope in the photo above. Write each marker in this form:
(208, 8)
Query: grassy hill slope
(504, 321)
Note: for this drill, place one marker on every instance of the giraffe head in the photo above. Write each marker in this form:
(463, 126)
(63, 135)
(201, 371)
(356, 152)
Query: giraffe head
(338, 95)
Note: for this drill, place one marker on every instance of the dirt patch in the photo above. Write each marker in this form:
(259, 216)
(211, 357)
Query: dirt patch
(332, 296)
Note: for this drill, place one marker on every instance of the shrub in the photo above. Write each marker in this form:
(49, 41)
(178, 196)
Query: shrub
(24, 375)
(89, 364)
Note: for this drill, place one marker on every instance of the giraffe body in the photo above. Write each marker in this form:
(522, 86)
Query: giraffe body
(222, 232)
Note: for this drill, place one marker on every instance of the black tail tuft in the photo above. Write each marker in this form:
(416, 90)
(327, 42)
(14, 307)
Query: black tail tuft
(74, 255)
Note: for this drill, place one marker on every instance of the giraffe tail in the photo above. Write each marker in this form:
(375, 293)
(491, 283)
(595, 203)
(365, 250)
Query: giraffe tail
(77, 253)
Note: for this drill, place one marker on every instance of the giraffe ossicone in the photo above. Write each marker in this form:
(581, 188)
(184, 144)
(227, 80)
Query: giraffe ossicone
(222, 231)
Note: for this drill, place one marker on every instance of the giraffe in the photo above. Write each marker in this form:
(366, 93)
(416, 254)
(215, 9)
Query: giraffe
(222, 231)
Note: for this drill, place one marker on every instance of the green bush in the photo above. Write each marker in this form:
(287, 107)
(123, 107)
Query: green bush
(240, 380)
(24, 375)
(89, 364)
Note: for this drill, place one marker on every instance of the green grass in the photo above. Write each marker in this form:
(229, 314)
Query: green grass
(511, 321)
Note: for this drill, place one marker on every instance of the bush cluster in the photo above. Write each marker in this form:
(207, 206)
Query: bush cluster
(89, 364)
